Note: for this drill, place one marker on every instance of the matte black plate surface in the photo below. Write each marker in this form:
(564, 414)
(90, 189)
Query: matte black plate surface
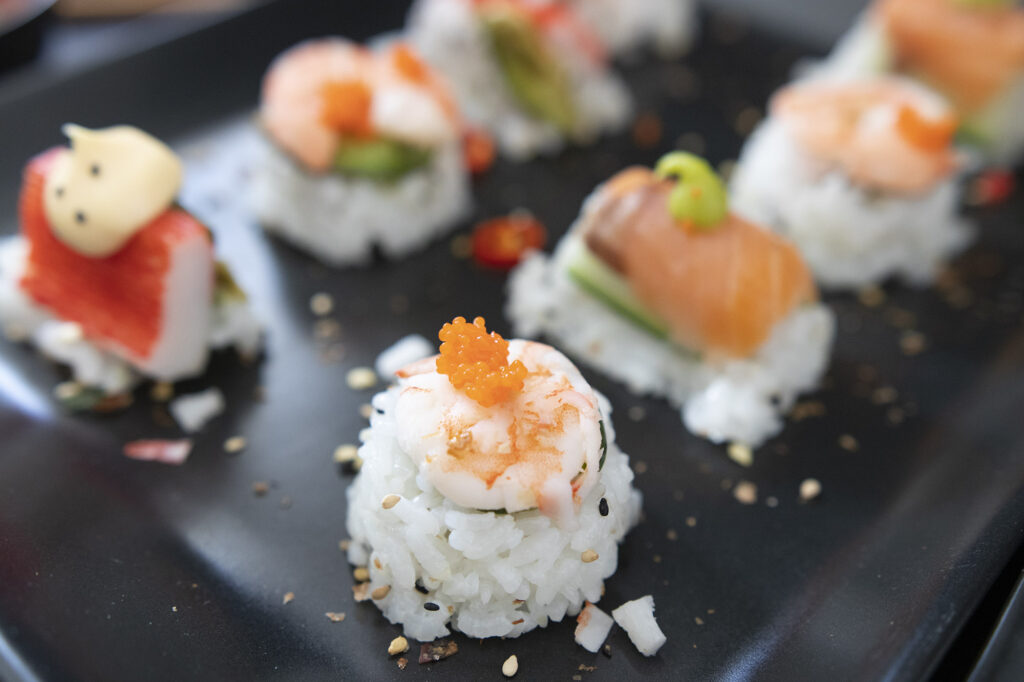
(116, 569)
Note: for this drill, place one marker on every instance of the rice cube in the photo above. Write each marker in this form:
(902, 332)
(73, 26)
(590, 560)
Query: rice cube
(637, 619)
(405, 351)
(592, 627)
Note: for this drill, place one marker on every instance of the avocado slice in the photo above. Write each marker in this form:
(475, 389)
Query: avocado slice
(534, 76)
(378, 159)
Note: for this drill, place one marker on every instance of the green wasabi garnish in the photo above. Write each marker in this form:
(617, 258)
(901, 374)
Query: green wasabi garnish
(534, 76)
(379, 159)
(699, 197)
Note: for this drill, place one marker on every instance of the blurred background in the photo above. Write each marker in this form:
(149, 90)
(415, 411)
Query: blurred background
(46, 37)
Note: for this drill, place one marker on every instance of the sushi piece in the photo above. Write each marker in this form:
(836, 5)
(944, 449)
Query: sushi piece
(109, 275)
(533, 73)
(629, 26)
(971, 51)
(363, 149)
(661, 287)
(861, 175)
(492, 496)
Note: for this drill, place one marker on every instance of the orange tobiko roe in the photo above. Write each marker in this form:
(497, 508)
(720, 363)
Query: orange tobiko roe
(346, 107)
(476, 362)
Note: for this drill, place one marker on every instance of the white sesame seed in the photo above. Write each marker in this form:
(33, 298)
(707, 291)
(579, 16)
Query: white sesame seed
(234, 444)
(741, 454)
(361, 574)
(345, 453)
(510, 667)
(360, 378)
(589, 556)
(399, 645)
(321, 304)
(381, 592)
(390, 501)
(745, 492)
(809, 489)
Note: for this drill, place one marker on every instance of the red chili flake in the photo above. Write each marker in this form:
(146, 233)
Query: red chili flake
(163, 451)
(435, 651)
(501, 242)
(991, 187)
(478, 150)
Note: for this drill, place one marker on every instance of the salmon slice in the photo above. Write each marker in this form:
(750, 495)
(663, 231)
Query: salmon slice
(149, 302)
(720, 291)
(970, 53)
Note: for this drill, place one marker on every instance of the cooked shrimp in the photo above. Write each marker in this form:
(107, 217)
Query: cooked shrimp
(538, 447)
(970, 53)
(321, 90)
(885, 133)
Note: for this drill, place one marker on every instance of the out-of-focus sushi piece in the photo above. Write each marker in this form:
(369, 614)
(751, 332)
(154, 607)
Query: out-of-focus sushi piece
(491, 497)
(971, 51)
(861, 175)
(532, 72)
(364, 149)
(661, 287)
(630, 26)
(109, 274)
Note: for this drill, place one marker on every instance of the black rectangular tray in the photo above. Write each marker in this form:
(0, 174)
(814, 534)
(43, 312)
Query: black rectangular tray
(115, 569)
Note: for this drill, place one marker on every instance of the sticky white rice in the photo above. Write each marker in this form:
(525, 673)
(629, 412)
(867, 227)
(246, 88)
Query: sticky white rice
(341, 219)
(232, 324)
(998, 129)
(449, 36)
(731, 400)
(627, 26)
(849, 236)
(491, 575)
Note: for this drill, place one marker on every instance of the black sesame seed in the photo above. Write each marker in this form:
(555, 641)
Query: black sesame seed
(59, 192)
(431, 606)
(95, 169)
(602, 507)
(421, 589)
(79, 217)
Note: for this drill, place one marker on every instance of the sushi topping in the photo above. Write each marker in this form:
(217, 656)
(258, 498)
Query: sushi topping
(96, 214)
(163, 451)
(532, 73)
(335, 106)
(502, 426)
(971, 50)
(712, 293)
(885, 134)
(699, 198)
(476, 362)
(502, 242)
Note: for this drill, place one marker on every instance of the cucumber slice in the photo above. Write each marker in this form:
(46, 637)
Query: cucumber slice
(599, 280)
(379, 159)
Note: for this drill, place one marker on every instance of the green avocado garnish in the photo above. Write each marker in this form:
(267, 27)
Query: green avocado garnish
(379, 158)
(532, 73)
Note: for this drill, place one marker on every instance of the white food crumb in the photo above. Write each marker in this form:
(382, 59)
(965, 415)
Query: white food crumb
(592, 627)
(637, 619)
(741, 454)
(194, 410)
(405, 351)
